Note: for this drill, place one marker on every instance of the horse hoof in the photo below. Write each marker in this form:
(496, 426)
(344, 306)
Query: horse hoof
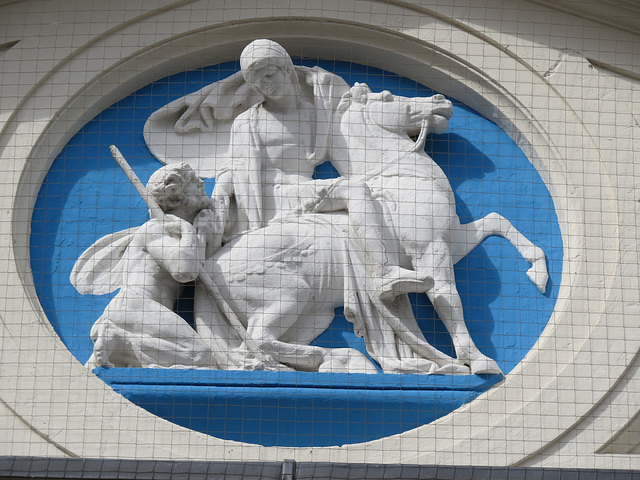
(412, 365)
(484, 366)
(538, 275)
(478, 362)
(267, 363)
(346, 360)
(453, 369)
(280, 367)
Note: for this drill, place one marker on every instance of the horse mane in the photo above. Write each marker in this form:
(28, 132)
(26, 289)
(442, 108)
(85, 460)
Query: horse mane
(357, 93)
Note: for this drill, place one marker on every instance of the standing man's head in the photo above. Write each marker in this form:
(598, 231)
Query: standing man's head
(267, 67)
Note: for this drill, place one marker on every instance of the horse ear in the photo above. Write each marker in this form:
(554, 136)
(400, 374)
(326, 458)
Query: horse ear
(361, 88)
(345, 102)
(387, 96)
(360, 92)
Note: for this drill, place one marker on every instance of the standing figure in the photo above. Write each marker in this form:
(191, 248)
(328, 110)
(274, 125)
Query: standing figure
(275, 147)
(150, 264)
(294, 248)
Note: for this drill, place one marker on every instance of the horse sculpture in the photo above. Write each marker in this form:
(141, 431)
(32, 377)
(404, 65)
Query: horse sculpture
(284, 281)
(418, 200)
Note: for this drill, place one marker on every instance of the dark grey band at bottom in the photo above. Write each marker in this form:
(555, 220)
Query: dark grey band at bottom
(95, 468)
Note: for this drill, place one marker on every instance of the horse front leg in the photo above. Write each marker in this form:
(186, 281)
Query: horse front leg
(282, 324)
(468, 236)
(273, 312)
(303, 357)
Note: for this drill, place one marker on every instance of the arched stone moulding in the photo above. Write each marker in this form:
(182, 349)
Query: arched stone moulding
(505, 425)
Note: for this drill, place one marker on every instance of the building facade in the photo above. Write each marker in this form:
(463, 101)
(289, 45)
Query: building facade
(545, 129)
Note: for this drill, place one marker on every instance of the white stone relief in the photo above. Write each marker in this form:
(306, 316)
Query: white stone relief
(148, 264)
(280, 250)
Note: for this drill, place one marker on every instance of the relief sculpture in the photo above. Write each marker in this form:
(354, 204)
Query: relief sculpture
(274, 251)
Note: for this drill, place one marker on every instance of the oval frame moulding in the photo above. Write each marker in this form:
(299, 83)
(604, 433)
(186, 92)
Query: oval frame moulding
(110, 425)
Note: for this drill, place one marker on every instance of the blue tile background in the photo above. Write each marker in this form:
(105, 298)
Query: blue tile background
(86, 196)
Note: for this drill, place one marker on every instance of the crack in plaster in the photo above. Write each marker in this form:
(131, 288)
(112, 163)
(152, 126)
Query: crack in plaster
(4, 48)
(553, 68)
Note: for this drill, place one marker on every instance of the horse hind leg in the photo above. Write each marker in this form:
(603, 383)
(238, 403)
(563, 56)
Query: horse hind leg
(468, 236)
(448, 305)
(446, 300)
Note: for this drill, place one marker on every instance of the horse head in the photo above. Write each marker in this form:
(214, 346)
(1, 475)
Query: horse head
(376, 127)
(396, 113)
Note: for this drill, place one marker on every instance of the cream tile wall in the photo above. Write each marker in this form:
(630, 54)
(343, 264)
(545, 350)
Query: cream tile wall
(567, 90)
